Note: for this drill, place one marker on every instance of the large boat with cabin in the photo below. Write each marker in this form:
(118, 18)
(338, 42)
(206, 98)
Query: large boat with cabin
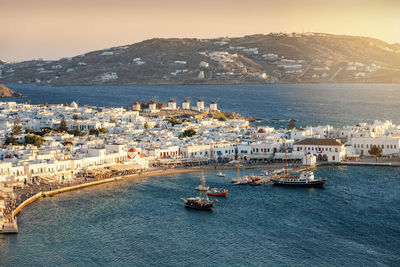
(202, 202)
(304, 179)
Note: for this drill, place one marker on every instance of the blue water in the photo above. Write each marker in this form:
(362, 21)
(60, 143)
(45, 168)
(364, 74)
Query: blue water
(354, 221)
(310, 104)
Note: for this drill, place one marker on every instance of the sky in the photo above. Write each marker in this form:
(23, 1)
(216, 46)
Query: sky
(51, 29)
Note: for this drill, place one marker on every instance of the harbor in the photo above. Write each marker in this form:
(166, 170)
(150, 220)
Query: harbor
(304, 214)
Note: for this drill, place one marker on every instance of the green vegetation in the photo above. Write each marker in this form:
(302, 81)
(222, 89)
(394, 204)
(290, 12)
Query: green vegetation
(34, 140)
(98, 131)
(376, 151)
(220, 116)
(67, 143)
(63, 125)
(17, 129)
(187, 133)
(11, 141)
(174, 121)
(76, 132)
(292, 124)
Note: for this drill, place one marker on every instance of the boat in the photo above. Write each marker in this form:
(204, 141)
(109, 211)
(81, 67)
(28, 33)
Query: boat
(217, 192)
(305, 179)
(240, 180)
(201, 202)
(220, 174)
(200, 188)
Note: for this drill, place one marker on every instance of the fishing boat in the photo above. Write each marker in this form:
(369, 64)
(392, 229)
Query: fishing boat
(220, 174)
(217, 192)
(201, 202)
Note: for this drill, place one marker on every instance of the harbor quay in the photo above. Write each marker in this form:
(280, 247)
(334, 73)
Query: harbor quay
(53, 148)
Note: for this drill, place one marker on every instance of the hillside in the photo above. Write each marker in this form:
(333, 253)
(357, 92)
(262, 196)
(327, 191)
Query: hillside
(7, 92)
(272, 58)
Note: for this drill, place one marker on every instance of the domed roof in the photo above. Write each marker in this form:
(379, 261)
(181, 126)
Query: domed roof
(262, 130)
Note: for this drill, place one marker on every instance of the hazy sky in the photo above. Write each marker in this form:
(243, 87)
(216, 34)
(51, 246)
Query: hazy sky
(51, 29)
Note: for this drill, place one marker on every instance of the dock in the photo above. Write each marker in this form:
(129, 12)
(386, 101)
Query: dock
(9, 227)
(361, 163)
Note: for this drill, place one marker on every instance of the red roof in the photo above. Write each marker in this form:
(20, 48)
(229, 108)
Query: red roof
(132, 150)
(261, 130)
(319, 142)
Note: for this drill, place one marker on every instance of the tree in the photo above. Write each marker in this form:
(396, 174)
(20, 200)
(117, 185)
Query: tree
(66, 104)
(292, 124)
(376, 151)
(187, 133)
(11, 141)
(46, 104)
(63, 125)
(174, 121)
(75, 117)
(67, 143)
(29, 101)
(97, 131)
(34, 140)
(17, 129)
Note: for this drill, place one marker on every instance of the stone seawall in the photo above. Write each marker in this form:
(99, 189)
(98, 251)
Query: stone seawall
(58, 191)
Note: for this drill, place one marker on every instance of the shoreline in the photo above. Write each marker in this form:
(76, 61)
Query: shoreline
(12, 227)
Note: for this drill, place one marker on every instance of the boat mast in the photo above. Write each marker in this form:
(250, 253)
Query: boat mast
(203, 194)
(286, 166)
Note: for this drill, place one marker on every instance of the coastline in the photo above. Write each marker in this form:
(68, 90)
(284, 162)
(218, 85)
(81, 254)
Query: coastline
(13, 227)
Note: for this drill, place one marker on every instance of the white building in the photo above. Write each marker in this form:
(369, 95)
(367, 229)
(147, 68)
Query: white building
(186, 104)
(172, 104)
(153, 107)
(390, 145)
(213, 106)
(200, 104)
(330, 150)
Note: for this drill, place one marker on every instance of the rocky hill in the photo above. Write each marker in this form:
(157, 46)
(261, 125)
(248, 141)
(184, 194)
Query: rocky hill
(272, 58)
(7, 92)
